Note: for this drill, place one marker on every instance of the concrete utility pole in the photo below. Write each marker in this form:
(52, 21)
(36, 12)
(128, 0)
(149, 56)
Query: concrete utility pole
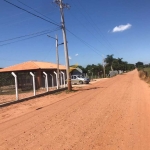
(57, 59)
(104, 64)
(62, 5)
(104, 67)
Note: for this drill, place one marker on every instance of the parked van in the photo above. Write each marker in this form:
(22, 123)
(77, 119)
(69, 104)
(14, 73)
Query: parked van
(79, 79)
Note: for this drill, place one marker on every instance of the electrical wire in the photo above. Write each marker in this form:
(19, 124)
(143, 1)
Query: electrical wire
(87, 44)
(48, 18)
(29, 37)
(32, 13)
(85, 27)
(94, 26)
(24, 36)
(95, 50)
(92, 21)
(35, 10)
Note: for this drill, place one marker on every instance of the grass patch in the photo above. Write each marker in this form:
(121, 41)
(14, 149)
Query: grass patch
(66, 91)
(145, 74)
(8, 93)
(13, 92)
(59, 92)
(72, 91)
(147, 70)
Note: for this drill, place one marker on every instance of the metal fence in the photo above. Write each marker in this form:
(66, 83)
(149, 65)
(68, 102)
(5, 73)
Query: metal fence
(114, 73)
(18, 86)
(92, 77)
(7, 87)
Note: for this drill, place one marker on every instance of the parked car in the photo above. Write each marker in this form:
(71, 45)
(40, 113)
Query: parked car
(79, 79)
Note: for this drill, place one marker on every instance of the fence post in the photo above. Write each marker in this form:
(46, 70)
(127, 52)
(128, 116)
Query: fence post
(52, 80)
(33, 78)
(16, 85)
(63, 78)
(46, 81)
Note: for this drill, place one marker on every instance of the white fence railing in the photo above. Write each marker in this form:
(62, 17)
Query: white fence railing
(114, 73)
(26, 85)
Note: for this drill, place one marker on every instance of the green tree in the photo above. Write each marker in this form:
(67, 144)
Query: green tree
(109, 60)
(139, 64)
(83, 69)
(120, 60)
(116, 65)
(94, 69)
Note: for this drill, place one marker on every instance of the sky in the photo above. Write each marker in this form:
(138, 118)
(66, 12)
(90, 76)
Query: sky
(94, 29)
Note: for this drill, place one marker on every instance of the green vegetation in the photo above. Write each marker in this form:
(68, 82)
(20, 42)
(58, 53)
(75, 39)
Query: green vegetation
(110, 63)
(6, 79)
(141, 66)
(144, 71)
(147, 70)
(72, 91)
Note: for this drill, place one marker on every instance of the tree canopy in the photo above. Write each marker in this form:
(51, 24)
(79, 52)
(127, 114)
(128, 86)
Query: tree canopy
(111, 63)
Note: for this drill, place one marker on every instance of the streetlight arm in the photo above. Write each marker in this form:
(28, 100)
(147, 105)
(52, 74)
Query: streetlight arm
(61, 44)
(51, 37)
(55, 39)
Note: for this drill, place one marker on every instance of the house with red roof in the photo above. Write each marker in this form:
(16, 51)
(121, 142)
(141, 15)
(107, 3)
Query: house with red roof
(37, 68)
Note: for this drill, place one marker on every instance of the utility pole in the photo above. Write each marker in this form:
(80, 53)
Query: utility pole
(104, 64)
(61, 6)
(57, 59)
(104, 67)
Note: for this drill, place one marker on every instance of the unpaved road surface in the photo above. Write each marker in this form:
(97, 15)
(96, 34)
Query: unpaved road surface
(112, 114)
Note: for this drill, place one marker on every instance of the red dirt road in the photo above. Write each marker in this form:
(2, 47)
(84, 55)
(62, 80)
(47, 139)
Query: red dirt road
(112, 114)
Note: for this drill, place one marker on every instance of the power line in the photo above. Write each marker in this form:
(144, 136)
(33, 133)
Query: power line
(85, 27)
(95, 50)
(32, 13)
(94, 27)
(35, 10)
(87, 44)
(44, 58)
(92, 21)
(29, 37)
(24, 36)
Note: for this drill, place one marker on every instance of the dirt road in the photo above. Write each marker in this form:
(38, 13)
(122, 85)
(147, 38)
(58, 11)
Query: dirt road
(112, 114)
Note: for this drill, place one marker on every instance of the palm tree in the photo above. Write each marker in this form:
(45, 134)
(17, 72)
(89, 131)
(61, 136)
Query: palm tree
(120, 60)
(109, 60)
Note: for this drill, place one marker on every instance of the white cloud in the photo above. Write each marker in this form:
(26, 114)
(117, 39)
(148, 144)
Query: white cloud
(76, 54)
(121, 28)
(70, 57)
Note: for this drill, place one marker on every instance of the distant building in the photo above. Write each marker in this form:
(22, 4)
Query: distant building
(76, 71)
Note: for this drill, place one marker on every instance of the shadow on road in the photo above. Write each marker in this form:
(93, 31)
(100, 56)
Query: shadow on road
(93, 88)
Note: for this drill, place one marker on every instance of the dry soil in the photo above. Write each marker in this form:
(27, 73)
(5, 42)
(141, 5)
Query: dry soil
(112, 114)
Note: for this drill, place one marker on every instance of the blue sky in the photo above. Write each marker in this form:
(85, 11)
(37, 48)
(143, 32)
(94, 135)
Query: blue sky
(94, 29)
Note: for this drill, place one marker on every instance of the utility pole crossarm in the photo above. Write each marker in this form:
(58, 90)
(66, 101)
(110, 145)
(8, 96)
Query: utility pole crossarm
(58, 2)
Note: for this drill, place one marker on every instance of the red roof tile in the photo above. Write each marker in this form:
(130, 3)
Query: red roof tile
(32, 65)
